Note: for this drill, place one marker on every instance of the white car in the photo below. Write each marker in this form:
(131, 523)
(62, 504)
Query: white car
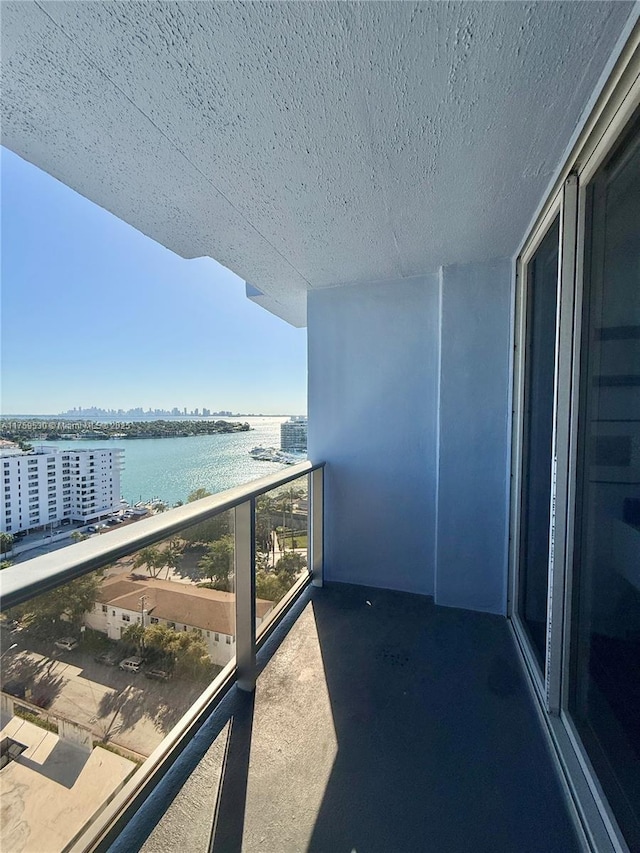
(67, 643)
(131, 664)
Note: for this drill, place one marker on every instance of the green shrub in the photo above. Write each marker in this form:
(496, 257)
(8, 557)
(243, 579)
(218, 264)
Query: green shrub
(30, 717)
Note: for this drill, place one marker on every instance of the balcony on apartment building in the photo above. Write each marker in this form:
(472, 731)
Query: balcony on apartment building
(446, 195)
(379, 721)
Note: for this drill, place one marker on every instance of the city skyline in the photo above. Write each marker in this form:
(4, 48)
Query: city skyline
(92, 308)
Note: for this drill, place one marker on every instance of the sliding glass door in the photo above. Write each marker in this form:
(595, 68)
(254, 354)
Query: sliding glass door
(574, 546)
(604, 681)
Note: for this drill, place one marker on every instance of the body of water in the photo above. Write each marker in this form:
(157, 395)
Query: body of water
(172, 468)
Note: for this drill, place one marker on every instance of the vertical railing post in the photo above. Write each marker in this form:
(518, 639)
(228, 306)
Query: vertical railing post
(245, 584)
(316, 526)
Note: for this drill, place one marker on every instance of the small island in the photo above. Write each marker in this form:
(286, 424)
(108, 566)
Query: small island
(35, 429)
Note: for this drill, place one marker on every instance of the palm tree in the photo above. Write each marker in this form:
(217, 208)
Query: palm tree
(172, 554)
(265, 507)
(285, 500)
(150, 557)
(217, 563)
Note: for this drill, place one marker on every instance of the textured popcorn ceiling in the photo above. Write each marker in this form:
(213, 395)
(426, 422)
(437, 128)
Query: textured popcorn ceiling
(303, 144)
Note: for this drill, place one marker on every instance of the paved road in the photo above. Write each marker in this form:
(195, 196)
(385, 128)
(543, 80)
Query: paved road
(126, 708)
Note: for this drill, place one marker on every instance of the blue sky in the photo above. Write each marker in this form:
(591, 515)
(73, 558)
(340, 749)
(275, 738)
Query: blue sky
(96, 314)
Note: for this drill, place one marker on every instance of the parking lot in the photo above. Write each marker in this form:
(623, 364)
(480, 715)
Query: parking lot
(124, 708)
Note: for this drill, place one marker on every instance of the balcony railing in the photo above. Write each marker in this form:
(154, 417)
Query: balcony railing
(273, 540)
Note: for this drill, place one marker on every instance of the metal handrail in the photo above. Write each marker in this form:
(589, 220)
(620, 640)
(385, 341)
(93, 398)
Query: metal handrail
(21, 582)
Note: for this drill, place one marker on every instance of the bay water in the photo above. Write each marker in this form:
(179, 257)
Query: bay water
(171, 468)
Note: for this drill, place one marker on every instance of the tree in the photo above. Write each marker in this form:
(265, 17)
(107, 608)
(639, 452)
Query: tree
(284, 501)
(208, 531)
(185, 649)
(159, 637)
(150, 557)
(217, 563)
(191, 656)
(160, 507)
(78, 537)
(67, 603)
(265, 508)
(134, 635)
(171, 555)
(291, 564)
(6, 543)
(4, 564)
(271, 586)
(197, 495)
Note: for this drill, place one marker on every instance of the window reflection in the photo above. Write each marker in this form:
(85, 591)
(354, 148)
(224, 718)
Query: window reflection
(605, 676)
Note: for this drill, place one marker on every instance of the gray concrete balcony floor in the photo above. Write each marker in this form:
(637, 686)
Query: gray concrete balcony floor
(380, 723)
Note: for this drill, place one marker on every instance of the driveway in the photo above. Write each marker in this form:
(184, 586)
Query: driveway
(124, 708)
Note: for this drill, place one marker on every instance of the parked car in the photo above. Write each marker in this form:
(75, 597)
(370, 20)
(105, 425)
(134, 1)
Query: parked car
(131, 664)
(92, 529)
(67, 644)
(158, 674)
(108, 658)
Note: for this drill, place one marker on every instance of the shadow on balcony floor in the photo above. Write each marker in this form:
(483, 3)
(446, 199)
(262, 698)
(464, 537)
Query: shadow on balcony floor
(381, 723)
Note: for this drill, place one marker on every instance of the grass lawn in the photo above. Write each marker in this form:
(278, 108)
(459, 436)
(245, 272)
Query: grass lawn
(299, 537)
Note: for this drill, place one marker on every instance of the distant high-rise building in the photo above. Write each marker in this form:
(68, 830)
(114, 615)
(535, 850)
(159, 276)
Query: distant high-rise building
(49, 486)
(293, 434)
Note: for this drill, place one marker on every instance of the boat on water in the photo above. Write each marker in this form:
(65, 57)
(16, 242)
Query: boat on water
(272, 454)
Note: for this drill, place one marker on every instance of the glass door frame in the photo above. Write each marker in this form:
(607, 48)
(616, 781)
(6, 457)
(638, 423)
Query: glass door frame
(563, 206)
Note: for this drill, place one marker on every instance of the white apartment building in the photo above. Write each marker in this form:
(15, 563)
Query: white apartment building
(183, 607)
(48, 486)
(293, 434)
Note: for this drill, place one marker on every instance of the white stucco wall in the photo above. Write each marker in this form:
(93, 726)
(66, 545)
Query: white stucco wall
(372, 417)
(474, 436)
(409, 407)
(220, 651)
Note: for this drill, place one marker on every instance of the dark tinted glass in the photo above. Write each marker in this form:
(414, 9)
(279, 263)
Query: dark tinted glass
(605, 672)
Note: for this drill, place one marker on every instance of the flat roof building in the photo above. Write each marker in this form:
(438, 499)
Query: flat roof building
(293, 434)
(48, 486)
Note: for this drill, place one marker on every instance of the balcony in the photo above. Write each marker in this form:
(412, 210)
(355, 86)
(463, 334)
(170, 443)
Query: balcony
(446, 194)
(368, 703)
(380, 722)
